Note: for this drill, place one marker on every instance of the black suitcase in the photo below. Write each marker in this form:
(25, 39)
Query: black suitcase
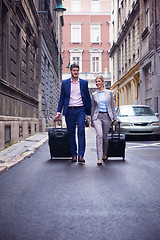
(58, 141)
(116, 142)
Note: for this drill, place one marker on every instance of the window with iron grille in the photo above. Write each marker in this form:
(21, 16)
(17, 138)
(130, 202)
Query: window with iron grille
(7, 133)
(29, 129)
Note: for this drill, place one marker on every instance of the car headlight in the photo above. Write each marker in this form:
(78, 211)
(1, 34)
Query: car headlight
(155, 124)
(126, 124)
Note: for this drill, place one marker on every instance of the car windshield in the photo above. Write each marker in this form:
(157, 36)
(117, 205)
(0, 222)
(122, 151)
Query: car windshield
(129, 111)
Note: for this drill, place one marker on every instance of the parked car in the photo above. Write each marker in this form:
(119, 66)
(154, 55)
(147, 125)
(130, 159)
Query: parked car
(138, 120)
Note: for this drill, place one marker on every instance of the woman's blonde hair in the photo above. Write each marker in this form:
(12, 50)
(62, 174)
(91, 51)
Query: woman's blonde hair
(100, 77)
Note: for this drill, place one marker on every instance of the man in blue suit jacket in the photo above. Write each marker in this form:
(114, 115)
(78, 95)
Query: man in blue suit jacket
(76, 103)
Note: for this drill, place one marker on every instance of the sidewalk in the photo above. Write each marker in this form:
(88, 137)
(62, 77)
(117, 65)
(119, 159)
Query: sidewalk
(21, 150)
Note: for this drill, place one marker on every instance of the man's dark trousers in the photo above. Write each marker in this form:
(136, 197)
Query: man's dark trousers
(73, 116)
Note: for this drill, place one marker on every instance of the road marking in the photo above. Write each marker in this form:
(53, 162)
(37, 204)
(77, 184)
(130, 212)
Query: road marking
(146, 145)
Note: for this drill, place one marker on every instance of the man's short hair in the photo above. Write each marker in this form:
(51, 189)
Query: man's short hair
(74, 65)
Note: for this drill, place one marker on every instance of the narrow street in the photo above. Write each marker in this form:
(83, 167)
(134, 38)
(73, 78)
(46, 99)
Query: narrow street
(45, 199)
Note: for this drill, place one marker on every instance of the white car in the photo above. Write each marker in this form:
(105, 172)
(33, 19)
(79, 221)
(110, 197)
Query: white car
(138, 120)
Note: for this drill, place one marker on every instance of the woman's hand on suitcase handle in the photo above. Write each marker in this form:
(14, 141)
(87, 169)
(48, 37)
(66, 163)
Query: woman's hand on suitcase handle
(114, 122)
(92, 124)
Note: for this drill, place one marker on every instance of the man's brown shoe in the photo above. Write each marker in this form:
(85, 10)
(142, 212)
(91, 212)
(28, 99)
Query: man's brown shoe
(81, 160)
(74, 158)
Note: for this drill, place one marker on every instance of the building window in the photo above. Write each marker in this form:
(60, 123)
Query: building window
(113, 69)
(126, 10)
(133, 43)
(126, 52)
(76, 60)
(95, 64)
(120, 63)
(4, 42)
(35, 127)
(18, 56)
(27, 65)
(96, 60)
(20, 130)
(129, 49)
(76, 56)
(147, 12)
(35, 63)
(29, 129)
(95, 33)
(109, 23)
(148, 84)
(7, 133)
(95, 6)
(75, 5)
(122, 58)
(148, 77)
(76, 33)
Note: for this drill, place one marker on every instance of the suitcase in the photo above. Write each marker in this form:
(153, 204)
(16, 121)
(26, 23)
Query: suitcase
(116, 142)
(58, 141)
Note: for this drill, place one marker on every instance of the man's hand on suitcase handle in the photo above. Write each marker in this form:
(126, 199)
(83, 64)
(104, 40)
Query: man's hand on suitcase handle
(58, 116)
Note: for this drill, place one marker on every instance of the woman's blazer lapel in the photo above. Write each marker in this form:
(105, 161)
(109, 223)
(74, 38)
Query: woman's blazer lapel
(97, 96)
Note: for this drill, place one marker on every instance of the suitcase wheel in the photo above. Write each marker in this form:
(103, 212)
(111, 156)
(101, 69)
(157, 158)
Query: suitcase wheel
(105, 159)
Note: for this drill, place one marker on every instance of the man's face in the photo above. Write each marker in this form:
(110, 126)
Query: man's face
(75, 72)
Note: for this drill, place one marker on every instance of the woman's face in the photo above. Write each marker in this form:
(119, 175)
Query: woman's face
(99, 83)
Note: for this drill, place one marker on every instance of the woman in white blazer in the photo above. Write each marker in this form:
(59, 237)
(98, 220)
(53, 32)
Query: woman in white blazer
(102, 114)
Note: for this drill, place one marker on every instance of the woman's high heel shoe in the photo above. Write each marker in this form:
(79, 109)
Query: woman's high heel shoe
(99, 162)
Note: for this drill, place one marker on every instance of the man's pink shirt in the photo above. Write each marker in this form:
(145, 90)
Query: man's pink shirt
(75, 96)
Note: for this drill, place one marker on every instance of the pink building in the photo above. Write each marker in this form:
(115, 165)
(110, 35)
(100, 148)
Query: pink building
(86, 39)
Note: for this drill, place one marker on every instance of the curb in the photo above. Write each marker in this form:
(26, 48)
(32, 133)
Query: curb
(28, 153)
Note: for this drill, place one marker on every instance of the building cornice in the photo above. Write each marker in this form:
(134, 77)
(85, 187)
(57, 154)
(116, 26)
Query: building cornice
(87, 14)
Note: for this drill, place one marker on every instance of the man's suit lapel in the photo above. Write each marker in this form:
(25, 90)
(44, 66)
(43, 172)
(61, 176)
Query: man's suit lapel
(81, 86)
(68, 85)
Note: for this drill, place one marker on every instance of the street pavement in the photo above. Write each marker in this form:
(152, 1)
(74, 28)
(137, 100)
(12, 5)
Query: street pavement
(44, 199)
(21, 150)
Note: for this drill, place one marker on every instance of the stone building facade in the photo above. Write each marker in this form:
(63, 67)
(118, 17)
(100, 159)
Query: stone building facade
(28, 68)
(125, 52)
(150, 53)
(135, 52)
(50, 75)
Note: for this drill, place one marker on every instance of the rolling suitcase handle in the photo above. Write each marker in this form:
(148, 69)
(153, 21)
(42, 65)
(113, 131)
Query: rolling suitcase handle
(59, 121)
(115, 130)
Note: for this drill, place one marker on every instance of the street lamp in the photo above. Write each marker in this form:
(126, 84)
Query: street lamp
(60, 7)
(68, 66)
